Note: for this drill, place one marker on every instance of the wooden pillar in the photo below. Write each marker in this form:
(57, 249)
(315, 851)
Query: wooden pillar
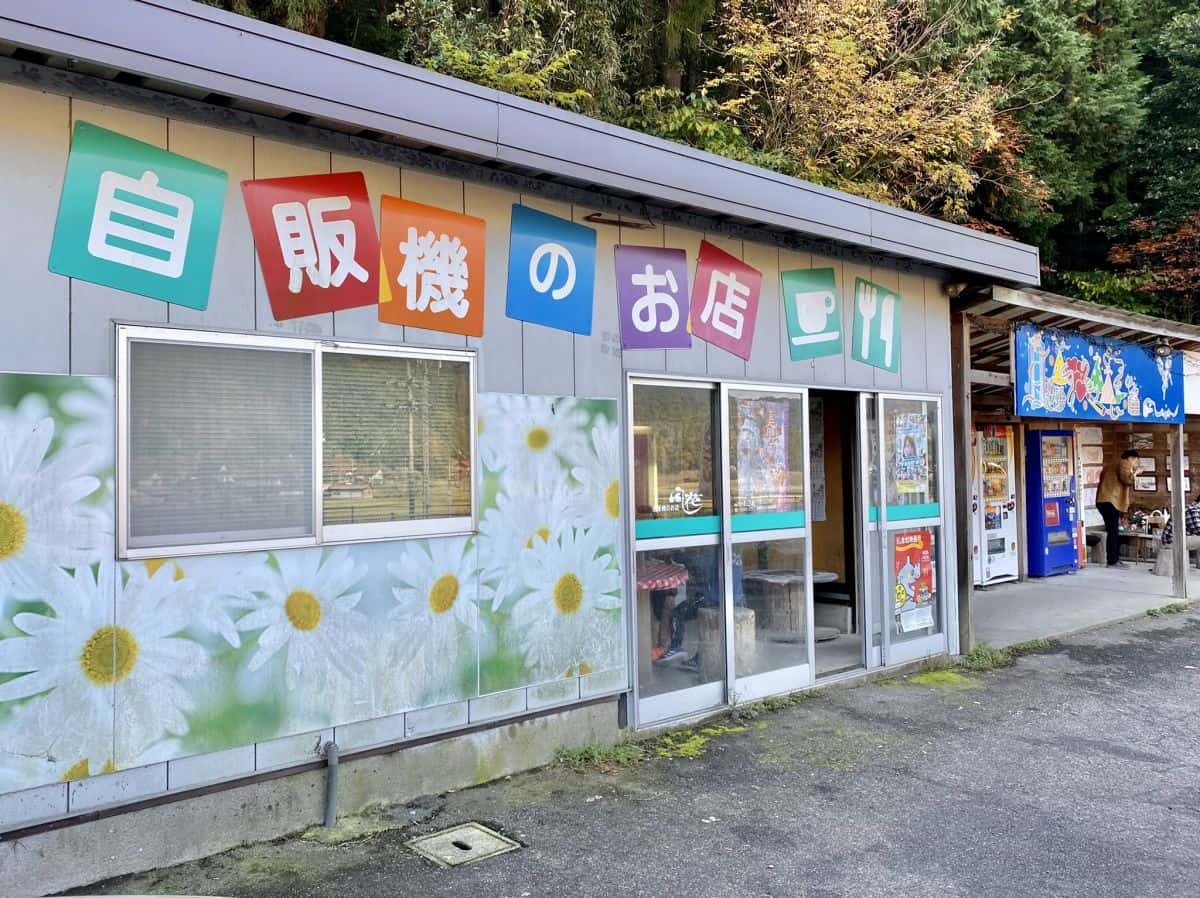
(1179, 501)
(960, 389)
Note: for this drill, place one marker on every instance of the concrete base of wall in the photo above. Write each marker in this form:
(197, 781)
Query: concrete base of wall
(186, 830)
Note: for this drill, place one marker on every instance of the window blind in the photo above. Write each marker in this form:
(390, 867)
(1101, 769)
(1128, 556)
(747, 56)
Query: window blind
(397, 438)
(220, 444)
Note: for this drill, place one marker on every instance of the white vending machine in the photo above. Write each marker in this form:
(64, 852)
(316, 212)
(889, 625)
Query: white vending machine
(994, 505)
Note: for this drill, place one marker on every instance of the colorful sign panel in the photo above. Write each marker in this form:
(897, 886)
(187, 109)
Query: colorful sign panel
(652, 297)
(551, 271)
(876, 337)
(916, 584)
(317, 245)
(138, 218)
(1059, 374)
(433, 267)
(812, 312)
(725, 300)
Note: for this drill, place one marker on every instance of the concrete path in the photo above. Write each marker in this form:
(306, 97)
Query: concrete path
(1072, 773)
(1011, 613)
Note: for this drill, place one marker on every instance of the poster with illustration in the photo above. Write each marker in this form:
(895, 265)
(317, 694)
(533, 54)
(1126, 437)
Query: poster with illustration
(911, 465)
(762, 451)
(916, 584)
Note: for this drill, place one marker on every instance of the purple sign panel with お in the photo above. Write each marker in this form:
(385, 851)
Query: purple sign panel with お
(652, 297)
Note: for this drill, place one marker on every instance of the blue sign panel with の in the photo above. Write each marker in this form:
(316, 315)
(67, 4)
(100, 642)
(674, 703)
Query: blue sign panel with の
(551, 271)
(1060, 374)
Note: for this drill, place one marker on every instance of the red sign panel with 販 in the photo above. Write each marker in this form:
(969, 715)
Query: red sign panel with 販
(725, 300)
(317, 243)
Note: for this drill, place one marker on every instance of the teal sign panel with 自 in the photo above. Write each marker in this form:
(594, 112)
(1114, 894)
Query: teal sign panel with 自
(814, 316)
(876, 337)
(138, 218)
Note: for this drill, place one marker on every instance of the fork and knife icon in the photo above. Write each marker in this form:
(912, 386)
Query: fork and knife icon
(868, 305)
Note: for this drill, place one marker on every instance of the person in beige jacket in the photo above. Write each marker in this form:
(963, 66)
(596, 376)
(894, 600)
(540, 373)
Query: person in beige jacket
(1113, 496)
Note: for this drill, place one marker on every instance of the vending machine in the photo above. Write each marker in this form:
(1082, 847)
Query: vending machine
(1050, 502)
(994, 506)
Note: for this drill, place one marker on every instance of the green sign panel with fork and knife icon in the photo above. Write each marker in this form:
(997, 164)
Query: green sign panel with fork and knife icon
(876, 337)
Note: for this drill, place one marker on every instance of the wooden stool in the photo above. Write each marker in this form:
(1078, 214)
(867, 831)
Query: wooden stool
(711, 647)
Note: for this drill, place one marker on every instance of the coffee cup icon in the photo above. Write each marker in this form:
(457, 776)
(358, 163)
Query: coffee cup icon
(813, 309)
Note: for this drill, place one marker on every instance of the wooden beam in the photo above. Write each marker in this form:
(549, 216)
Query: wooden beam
(960, 408)
(991, 378)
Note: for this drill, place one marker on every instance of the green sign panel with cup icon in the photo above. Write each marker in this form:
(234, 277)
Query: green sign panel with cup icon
(814, 319)
(876, 337)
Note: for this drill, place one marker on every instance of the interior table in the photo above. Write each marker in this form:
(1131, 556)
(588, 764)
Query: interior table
(784, 602)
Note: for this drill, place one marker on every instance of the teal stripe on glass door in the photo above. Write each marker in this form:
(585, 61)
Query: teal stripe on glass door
(662, 528)
(769, 520)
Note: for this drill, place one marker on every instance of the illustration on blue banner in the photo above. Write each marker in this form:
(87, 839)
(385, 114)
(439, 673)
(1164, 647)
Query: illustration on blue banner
(1060, 374)
(551, 271)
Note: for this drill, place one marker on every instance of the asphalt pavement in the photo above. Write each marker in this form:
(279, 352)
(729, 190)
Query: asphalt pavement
(1072, 772)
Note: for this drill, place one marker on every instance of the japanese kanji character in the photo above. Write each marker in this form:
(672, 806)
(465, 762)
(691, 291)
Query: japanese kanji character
(728, 314)
(435, 273)
(323, 249)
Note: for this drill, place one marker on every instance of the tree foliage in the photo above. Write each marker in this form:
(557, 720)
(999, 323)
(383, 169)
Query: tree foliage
(1072, 124)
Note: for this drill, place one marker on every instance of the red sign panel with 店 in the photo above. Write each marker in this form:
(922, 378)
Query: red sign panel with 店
(725, 300)
(317, 243)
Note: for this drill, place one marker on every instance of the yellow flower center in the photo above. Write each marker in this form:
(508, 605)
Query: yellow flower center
(612, 500)
(81, 769)
(479, 424)
(154, 565)
(109, 655)
(568, 594)
(13, 530)
(443, 594)
(543, 532)
(584, 668)
(303, 610)
(537, 439)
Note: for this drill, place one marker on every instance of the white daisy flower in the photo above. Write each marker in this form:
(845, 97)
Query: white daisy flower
(567, 615)
(309, 615)
(43, 524)
(511, 528)
(526, 435)
(598, 470)
(83, 659)
(221, 586)
(438, 581)
(93, 408)
(35, 749)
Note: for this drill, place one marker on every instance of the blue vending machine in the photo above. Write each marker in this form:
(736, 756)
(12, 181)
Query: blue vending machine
(1050, 502)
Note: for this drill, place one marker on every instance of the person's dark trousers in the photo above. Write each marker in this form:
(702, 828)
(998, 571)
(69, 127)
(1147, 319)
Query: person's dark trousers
(1112, 527)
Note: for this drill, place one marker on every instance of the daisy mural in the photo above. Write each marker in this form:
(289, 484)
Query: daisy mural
(107, 666)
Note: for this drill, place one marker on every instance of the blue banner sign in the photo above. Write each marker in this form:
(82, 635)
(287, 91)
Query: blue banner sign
(1060, 374)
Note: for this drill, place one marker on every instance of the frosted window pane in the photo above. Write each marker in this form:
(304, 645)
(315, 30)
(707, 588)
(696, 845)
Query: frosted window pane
(220, 444)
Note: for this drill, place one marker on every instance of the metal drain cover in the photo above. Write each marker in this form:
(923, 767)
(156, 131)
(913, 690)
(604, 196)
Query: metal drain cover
(463, 844)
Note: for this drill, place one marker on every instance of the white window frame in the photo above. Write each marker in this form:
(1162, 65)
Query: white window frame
(322, 535)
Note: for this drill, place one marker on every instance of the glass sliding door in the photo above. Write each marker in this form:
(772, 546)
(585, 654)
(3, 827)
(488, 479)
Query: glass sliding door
(910, 537)
(676, 468)
(768, 564)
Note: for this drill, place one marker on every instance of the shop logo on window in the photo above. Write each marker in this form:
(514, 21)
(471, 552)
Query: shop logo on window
(138, 218)
(814, 318)
(687, 501)
(876, 338)
(433, 268)
(652, 297)
(316, 241)
(725, 300)
(551, 271)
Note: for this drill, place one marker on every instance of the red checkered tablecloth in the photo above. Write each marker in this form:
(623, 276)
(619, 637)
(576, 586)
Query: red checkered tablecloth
(654, 573)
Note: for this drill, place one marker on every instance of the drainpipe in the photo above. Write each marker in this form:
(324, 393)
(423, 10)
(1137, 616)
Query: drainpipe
(331, 759)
